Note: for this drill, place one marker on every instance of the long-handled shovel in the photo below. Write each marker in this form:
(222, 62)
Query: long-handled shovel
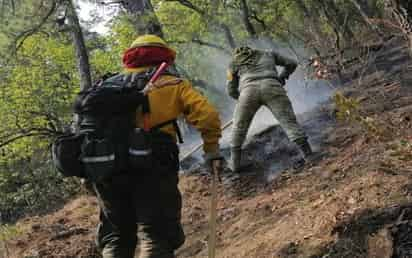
(199, 146)
(216, 166)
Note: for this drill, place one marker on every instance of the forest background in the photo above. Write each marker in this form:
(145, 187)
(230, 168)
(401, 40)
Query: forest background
(45, 60)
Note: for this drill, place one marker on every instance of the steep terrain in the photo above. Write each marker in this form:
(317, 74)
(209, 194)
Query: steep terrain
(355, 202)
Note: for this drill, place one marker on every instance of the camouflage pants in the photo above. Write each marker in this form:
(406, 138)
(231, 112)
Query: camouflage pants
(267, 93)
(140, 207)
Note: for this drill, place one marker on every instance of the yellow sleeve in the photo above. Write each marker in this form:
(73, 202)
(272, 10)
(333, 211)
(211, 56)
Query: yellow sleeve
(202, 115)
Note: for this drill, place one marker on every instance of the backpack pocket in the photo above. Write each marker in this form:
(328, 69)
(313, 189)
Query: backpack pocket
(140, 149)
(66, 152)
(98, 158)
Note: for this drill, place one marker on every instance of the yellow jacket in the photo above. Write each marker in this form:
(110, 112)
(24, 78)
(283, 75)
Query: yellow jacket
(173, 97)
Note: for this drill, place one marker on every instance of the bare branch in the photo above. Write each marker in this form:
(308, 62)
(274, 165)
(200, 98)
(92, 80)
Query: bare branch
(212, 45)
(21, 136)
(27, 33)
(23, 133)
(189, 5)
(365, 16)
(204, 43)
(254, 16)
(245, 18)
(228, 34)
(226, 30)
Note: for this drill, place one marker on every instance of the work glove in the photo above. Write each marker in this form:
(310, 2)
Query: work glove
(213, 160)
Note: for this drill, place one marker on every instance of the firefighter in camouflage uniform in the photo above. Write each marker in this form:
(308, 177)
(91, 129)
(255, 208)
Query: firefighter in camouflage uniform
(253, 80)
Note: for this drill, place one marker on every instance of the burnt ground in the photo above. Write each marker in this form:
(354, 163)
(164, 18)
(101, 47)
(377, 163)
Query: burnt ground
(269, 152)
(355, 202)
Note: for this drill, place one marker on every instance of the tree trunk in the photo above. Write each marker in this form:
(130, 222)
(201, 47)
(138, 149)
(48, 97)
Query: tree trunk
(141, 13)
(83, 64)
(246, 19)
(80, 47)
(314, 25)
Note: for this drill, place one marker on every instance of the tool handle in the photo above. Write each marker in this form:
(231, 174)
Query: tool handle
(216, 164)
(199, 146)
(156, 75)
(158, 72)
(217, 169)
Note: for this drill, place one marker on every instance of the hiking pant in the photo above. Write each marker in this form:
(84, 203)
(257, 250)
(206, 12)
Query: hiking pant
(144, 204)
(269, 93)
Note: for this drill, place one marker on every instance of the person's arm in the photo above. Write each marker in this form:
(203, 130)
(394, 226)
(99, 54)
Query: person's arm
(232, 83)
(289, 64)
(203, 116)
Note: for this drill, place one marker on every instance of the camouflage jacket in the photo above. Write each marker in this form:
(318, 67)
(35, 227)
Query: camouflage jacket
(248, 67)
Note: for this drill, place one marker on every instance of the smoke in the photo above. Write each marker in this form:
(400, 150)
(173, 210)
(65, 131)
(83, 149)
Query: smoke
(305, 94)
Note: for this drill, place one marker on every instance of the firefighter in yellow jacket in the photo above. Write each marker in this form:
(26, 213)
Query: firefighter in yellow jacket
(149, 202)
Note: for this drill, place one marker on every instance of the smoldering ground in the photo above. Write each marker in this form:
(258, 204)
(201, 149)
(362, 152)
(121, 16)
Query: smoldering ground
(267, 145)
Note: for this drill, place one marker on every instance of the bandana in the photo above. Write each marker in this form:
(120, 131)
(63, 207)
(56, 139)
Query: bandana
(147, 56)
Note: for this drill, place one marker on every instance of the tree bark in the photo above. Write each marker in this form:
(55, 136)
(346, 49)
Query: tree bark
(82, 56)
(80, 47)
(246, 19)
(210, 19)
(314, 24)
(141, 13)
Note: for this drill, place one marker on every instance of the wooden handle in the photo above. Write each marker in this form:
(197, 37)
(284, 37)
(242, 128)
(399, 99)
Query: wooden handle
(197, 147)
(158, 72)
(213, 210)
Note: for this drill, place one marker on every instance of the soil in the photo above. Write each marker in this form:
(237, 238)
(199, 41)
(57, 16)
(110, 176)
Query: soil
(354, 202)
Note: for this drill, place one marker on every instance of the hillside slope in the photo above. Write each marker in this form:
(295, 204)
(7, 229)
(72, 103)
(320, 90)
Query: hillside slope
(355, 202)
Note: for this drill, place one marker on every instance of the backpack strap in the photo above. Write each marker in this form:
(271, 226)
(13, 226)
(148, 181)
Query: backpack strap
(175, 125)
(132, 80)
(138, 81)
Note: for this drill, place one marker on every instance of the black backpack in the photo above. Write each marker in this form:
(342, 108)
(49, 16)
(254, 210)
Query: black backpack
(107, 139)
(65, 154)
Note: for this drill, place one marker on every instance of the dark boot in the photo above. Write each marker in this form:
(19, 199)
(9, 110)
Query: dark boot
(306, 149)
(235, 158)
(236, 164)
(308, 154)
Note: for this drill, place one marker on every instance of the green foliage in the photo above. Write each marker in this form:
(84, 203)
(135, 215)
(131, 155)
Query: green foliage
(108, 58)
(19, 20)
(31, 185)
(36, 96)
(38, 84)
(348, 109)
(8, 232)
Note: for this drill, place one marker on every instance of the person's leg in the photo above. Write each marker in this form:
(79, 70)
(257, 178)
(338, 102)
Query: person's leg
(159, 205)
(117, 230)
(160, 229)
(275, 99)
(245, 110)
